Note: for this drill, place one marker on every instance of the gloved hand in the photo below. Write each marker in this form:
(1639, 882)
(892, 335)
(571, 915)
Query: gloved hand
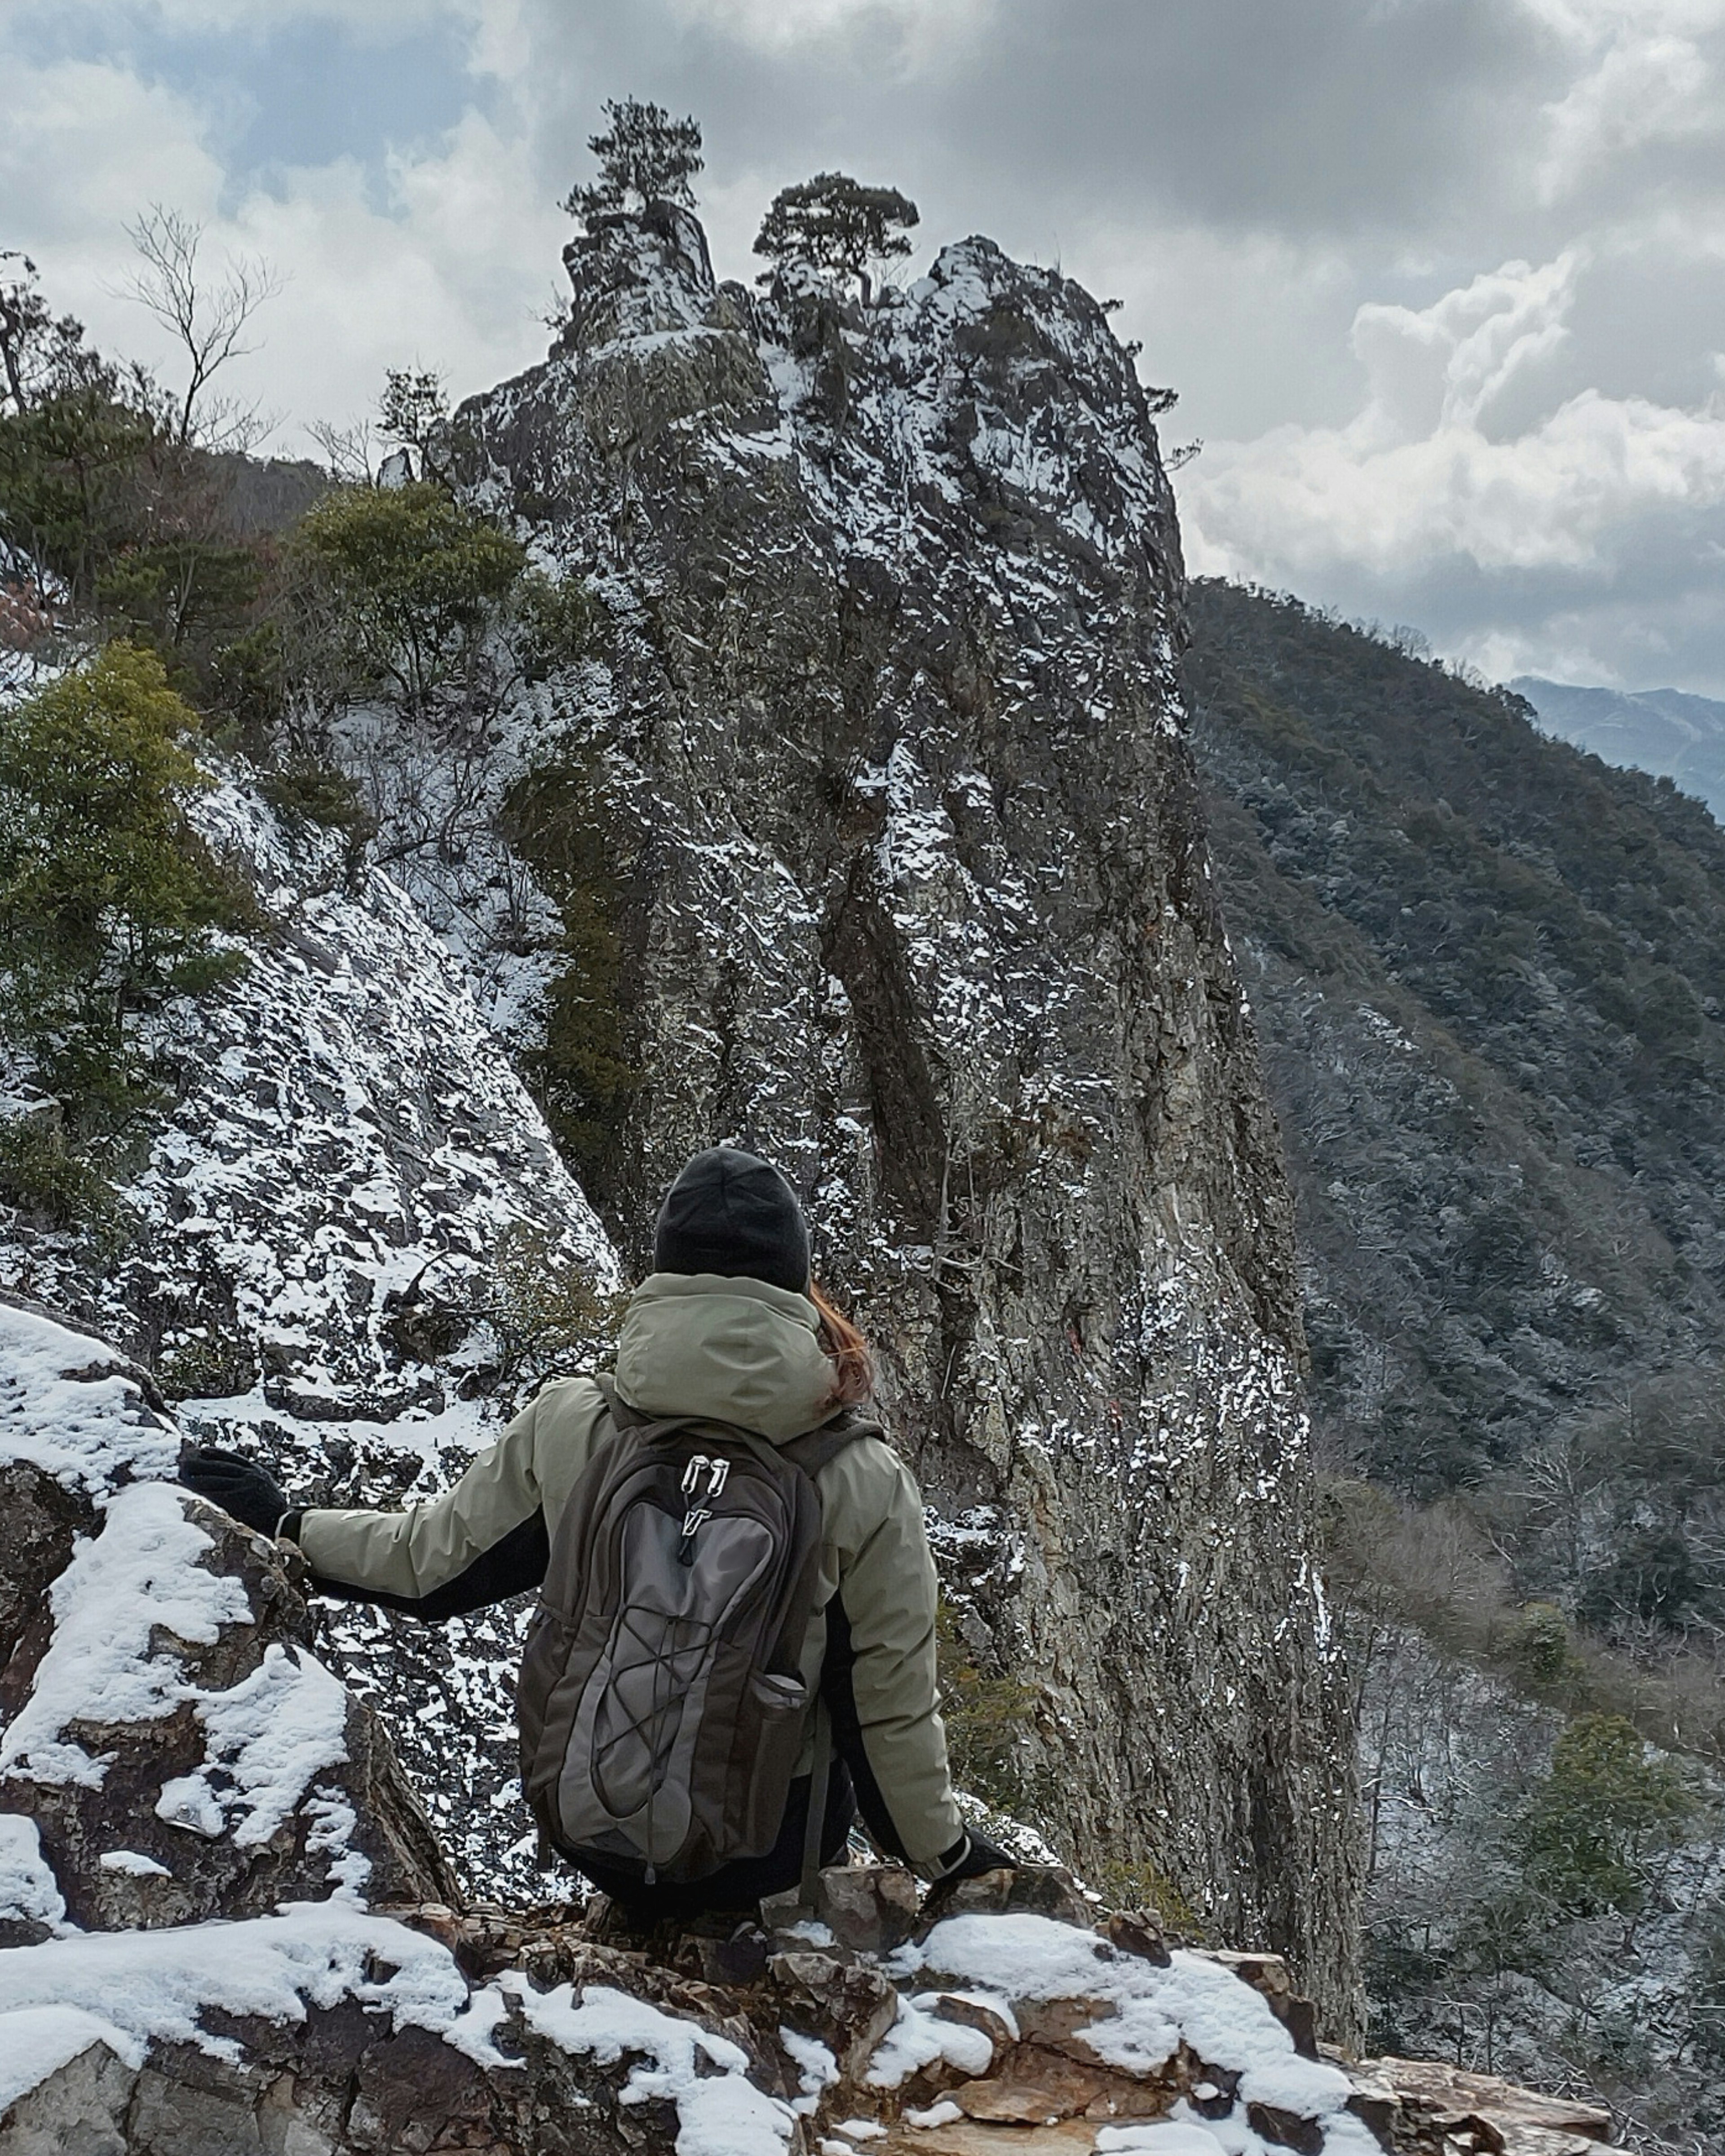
(969, 1859)
(238, 1485)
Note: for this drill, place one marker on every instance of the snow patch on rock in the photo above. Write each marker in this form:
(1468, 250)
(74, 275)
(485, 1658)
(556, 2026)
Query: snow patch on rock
(139, 1575)
(29, 1892)
(59, 1411)
(136, 1989)
(720, 2113)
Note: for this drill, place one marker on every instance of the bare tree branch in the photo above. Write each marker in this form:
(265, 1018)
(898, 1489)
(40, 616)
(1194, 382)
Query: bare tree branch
(347, 451)
(207, 320)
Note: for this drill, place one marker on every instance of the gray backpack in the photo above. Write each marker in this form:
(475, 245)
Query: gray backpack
(661, 1706)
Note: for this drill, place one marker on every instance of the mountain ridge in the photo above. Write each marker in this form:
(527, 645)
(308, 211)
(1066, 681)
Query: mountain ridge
(1667, 731)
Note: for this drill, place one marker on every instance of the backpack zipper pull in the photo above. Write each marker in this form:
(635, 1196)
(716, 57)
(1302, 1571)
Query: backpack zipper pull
(691, 1520)
(716, 1472)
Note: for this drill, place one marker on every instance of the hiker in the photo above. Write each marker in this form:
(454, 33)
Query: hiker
(674, 1492)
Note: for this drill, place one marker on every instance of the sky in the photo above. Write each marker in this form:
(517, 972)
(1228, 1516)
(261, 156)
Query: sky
(1440, 283)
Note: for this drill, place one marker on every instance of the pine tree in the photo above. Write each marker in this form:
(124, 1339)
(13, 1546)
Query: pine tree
(835, 223)
(645, 157)
(412, 411)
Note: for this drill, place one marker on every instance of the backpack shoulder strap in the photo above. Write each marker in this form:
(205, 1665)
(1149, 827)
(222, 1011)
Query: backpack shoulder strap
(813, 1450)
(810, 1452)
(628, 1421)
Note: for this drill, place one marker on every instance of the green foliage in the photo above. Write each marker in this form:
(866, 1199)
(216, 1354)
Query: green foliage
(835, 224)
(38, 348)
(545, 1310)
(1593, 1834)
(192, 599)
(69, 469)
(559, 819)
(987, 1719)
(208, 1366)
(414, 581)
(108, 901)
(304, 791)
(51, 1185)
(645, 156)
(1538, 1650)
(1126, 1886)
(308, 794)
(556, 624)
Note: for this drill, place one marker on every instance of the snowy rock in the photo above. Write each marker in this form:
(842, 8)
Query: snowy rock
(158, 1701)
(869, 1908)
(915, 900)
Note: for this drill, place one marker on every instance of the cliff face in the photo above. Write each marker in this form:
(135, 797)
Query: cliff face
(910, 893)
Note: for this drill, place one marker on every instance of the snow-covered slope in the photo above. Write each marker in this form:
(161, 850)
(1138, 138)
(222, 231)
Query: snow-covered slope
(195, 1825)
(313, 1255)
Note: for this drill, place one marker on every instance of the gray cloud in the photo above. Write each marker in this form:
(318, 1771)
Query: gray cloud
(1246, 175)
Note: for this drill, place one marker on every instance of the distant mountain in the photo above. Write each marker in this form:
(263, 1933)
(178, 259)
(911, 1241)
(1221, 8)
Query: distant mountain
(1663, 730)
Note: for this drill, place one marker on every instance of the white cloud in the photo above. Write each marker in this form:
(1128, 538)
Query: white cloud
(451, 270)
(918, 33)
(378, 19)
(1643, 75)
(1416, 476)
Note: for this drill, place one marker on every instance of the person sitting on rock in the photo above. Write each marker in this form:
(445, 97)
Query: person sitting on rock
(727, 1334)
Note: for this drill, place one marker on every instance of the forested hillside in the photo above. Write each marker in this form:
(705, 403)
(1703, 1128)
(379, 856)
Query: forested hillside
(1485, 969)
(1490, 971)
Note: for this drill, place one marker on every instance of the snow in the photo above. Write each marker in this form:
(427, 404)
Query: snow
(266, 1737)
(85, 1431)
(918, 2037)
(149, 1987)
(133, 1863)
(1160, 2137)
(38, 2040)
(138, 1576)
(28, 1889)
(719, 2114)
(937, 2114)
(817, 2069)
(1195, 2001)
(272, 1734)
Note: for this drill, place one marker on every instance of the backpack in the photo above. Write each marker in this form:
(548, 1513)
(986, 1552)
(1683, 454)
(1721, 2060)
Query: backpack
(662, 1709)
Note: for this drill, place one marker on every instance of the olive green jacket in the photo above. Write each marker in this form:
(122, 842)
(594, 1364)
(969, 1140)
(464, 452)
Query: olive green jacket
(738, 1351)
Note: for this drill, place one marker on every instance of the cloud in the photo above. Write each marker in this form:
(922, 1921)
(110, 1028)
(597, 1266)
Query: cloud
(451, 268)
(1298, 207)
(1595, 502)
(1647, 73)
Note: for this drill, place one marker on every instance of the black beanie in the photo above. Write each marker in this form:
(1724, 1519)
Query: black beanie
(729, 1213)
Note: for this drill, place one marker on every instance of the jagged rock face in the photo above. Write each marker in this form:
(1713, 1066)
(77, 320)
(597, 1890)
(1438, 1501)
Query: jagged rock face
(916, 902)
(312, 1258)
(169, 1749)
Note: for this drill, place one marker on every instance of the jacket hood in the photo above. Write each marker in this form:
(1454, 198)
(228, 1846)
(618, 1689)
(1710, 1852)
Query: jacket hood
(739, 1350)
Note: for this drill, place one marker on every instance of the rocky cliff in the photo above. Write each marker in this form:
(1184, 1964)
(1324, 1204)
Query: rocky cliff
(911, 895)
(223, 1930)
(860, 827)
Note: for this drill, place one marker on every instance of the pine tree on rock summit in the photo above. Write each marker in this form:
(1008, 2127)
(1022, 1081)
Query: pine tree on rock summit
(836, 224)
(645, 157)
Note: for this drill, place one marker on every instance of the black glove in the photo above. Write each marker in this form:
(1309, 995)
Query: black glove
(238, 1485)
(969, 1859)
